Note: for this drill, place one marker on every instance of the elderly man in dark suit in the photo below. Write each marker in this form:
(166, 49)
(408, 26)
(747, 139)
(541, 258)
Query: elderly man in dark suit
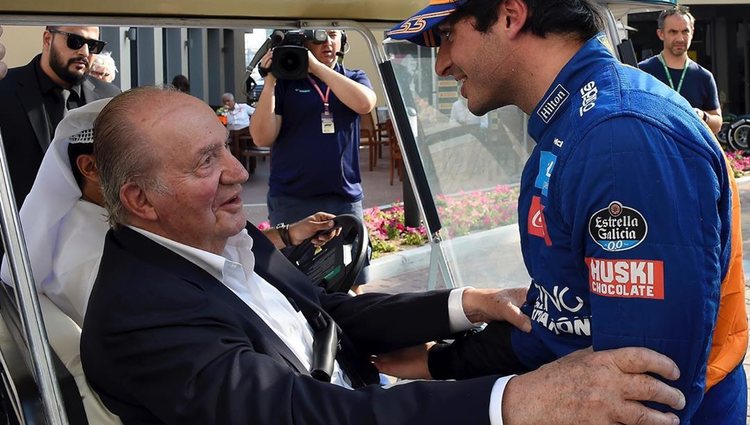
(195, 318)
(35, 97)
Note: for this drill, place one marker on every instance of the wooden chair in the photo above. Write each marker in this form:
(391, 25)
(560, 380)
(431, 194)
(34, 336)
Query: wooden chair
(236, 141)
(381, 116)
(249, 152)
(397, 160)
(368, 137)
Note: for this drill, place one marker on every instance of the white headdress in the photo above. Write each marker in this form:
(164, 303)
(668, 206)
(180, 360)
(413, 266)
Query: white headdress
(55, 191)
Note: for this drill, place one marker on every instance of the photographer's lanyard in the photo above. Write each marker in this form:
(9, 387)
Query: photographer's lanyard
(326, 118)
(669, 76)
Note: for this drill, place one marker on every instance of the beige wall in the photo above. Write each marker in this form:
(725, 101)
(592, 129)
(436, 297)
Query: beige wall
(359, 57)
(21, 44)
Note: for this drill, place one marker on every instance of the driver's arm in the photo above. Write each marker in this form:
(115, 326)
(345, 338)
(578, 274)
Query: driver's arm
(296, 233)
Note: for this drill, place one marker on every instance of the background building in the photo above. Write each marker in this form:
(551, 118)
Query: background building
(213, 59)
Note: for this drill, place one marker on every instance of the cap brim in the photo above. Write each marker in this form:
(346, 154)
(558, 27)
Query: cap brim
(420, 27)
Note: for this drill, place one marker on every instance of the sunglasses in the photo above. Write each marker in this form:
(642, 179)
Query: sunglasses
(75, 42)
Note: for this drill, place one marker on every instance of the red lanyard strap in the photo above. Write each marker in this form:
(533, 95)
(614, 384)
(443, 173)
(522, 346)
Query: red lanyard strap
(320, 92)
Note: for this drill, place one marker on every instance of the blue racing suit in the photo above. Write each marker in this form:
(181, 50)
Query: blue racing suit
(625, 216)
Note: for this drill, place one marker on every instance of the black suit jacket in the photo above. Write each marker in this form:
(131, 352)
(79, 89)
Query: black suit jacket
(24, 124)
(165, 343)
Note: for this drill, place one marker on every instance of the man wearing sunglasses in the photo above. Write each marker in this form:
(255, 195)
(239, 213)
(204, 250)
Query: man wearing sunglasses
(35, 97)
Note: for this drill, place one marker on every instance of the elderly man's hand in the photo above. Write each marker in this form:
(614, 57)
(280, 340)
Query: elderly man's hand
(587, 388)
(485, 305)
(3, 66)
(317, 223)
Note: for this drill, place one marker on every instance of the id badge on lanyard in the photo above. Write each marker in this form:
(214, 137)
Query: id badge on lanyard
(326, 118)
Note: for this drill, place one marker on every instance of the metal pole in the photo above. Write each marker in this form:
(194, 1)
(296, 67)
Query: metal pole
(410, 186)
(28, 303)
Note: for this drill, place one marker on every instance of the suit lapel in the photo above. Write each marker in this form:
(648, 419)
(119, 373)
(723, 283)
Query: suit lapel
(285, 277)
(88, 90)
(31, 99)
(147, 249)
(222, 292)
(291, 282)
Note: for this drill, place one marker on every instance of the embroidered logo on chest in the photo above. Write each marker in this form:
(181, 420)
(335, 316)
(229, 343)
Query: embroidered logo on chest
(552, 103)
(588, 97)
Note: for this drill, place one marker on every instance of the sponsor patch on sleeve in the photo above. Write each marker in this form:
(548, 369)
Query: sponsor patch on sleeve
(617, 227)
(626, 278)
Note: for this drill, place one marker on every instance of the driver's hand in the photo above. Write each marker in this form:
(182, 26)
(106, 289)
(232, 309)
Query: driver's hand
(407, 363)
(320, 223)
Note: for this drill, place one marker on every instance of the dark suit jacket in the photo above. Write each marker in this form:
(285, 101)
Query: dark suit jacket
(165, 343)
(24, 124)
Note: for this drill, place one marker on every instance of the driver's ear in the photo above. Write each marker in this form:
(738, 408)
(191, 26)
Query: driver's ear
(513, 15)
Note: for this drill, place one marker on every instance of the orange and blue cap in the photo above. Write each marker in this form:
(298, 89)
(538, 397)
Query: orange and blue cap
(421, 27)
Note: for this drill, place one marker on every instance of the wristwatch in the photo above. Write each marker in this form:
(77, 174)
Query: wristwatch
(706, 117)
(283, 230)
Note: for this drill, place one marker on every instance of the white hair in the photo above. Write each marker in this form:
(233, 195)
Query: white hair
(105, 60)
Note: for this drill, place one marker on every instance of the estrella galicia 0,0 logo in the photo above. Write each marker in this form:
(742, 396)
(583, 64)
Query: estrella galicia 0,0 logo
(617, 227)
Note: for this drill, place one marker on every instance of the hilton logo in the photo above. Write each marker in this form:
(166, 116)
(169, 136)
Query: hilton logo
(552, 103)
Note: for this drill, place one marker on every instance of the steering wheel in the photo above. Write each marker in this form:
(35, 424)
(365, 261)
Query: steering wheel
(337, 263)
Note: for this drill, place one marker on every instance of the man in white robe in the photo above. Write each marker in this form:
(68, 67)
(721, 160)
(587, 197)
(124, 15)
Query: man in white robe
(64, 226)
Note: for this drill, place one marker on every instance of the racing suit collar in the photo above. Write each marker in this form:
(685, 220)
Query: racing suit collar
(556, 101)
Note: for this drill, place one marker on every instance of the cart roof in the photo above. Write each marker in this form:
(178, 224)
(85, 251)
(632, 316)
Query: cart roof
(356, 10)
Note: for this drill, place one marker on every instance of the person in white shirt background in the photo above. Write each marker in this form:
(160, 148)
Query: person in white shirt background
(238, 121)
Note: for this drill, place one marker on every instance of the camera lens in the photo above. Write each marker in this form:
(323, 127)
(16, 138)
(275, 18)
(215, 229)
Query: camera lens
(290, 62)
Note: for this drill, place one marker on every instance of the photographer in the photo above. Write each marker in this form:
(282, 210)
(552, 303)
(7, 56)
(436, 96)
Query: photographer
(313, 126)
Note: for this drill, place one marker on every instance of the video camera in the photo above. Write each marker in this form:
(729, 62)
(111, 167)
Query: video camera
(289, 58)
(289, 54)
